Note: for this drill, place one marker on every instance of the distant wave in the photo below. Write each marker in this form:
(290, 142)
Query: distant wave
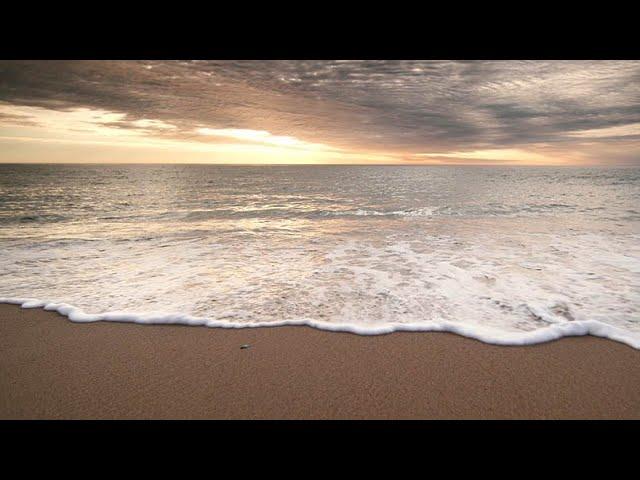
(360, 212)
(524, 210)
(33, 218)
(464, 210)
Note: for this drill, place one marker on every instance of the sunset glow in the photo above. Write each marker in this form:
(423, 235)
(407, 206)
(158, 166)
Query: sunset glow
(321, 112)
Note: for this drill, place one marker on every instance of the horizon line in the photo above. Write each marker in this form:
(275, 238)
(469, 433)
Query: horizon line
(332, 164)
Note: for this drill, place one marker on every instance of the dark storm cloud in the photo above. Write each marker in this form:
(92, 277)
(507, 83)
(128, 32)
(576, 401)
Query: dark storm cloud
(407, 106)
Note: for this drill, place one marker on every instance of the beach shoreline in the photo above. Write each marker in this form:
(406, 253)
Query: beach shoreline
(52, 368)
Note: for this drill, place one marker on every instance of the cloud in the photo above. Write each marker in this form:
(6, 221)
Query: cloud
(507, 155)
(629, 130)
(398, 108)
(260, 136)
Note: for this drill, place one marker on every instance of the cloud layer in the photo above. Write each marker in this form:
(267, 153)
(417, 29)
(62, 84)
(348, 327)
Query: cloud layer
(415, 111)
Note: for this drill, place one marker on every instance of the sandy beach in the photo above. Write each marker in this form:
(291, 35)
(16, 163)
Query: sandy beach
(51, 368)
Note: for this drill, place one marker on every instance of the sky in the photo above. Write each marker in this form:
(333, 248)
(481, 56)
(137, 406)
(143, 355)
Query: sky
(299, 112)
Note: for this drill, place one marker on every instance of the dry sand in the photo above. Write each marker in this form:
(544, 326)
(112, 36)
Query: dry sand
(53, 368)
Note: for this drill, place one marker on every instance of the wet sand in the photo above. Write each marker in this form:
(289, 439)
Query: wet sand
(51, 368)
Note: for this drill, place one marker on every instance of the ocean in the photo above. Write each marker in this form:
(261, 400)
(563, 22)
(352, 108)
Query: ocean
(507, 255)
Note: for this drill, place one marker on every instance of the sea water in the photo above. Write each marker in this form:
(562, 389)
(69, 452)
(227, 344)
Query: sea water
(508, 255)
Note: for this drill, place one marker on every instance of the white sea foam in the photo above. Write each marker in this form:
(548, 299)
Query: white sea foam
(420, 212)
(484, 334)
(512, 293)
